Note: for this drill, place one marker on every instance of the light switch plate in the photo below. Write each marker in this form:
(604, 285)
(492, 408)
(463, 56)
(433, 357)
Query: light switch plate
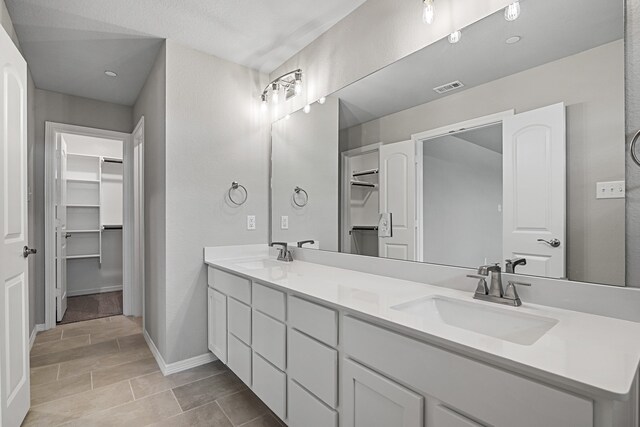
(284, 222)
(251, 222)
(610, 190)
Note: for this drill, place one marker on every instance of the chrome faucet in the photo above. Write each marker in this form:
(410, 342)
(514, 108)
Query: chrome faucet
(285, 253)
(511, 264)
(495, 293)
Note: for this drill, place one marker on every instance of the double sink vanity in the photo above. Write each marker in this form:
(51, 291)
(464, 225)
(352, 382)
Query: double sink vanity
(325, 346)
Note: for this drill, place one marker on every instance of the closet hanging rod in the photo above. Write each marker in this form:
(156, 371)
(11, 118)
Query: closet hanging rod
(112, 227)
(108, 160)
(363, 184)
(364, 228)
(366, 172)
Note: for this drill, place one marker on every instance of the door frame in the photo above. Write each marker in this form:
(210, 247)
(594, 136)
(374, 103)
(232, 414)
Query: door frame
(345, 191)
(134, 257)
(419, 139)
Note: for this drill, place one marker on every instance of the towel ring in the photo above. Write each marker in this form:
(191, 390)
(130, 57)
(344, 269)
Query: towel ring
(297, 191)
(234, 186)
(634, 155)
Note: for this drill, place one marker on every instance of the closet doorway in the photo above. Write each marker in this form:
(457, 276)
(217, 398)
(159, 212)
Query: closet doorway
(93, 223)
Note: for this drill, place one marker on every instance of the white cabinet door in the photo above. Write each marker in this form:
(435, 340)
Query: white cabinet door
(14, 292)
(218, 324)
(370, 400)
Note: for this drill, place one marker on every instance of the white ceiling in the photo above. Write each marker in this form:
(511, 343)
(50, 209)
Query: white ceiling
(550, 30)
(70, 43)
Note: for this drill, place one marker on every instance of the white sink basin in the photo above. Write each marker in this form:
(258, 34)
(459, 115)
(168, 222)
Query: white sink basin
(258, 264)
(508, 325)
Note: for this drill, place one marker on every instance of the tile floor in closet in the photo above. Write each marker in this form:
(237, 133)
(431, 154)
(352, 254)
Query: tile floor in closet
(101, 373)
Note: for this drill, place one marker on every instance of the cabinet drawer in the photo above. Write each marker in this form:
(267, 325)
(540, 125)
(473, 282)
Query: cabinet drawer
(230, 284)
(461, 383)
(239, 356)
(269, 339)
(270, 385)
(314, 320)
(269, 301)
(444, 417)
(239, 320)
(314, 366)
(305, 410)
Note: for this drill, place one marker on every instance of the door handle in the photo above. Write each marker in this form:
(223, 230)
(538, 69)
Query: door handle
(67, 235)
(26, 251)
(554, 243)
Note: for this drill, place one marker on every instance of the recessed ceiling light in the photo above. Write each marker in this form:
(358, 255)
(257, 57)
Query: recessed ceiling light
(111, 73)
(514, 39)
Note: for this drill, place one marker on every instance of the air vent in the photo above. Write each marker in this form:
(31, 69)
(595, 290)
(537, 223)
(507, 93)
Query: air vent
(449, 87)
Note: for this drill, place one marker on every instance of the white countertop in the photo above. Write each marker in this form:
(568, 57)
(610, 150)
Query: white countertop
(595, 353)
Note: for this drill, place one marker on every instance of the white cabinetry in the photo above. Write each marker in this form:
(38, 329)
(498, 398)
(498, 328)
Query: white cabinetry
(370, 400)
(217, 326)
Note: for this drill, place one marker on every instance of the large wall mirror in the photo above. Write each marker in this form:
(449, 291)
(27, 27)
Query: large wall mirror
(508, 144)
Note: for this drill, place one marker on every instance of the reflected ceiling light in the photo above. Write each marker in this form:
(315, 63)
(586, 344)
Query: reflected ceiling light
(455, 37)
(307, 109)
(512, 11)
(287, 117)
(290, 83)
(514, 39)
(428, 11)
(111, 73)
(322, 100)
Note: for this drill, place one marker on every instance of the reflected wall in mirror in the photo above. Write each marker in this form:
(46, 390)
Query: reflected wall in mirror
(507, 144)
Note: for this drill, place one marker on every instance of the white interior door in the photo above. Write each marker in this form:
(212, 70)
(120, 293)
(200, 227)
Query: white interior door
(398, 197)
(61, 230)
(14, 295)
(534, 184)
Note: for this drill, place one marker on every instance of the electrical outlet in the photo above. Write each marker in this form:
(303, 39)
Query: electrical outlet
(284, 222)
(610, 190)
(251, 222)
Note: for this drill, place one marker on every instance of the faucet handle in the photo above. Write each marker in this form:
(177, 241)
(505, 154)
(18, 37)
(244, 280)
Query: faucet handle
(511, 293)
(482, 288)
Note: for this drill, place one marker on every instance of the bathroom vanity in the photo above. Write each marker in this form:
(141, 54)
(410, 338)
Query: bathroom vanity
(324, 346)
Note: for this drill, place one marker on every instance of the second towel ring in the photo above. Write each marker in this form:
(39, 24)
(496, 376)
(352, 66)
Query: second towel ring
(235, 186)
(634, 140)
(297, 191)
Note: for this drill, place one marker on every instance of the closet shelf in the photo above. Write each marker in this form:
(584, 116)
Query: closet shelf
(82, 206)
(93, 181)
(366, 172)
(357, 183)
(363, 228)
(112, 227)
(83, 256)
(83, 231)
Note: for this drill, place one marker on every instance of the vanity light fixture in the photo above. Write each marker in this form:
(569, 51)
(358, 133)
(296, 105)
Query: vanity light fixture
(290, 83)
(428, 11)
(455, 37)
(322, 100)
(111, 73)
(512, 12)
(307, 109)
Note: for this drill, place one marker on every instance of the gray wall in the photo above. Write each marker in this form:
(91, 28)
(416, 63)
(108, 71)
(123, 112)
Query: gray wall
(305, 154)
(151, 104)
(60, 108)
(462, 191)
(215, 134)
(592, 86)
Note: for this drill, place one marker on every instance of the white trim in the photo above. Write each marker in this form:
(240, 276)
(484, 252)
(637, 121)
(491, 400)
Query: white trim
(345, 184)
(182, 365)
(37, 328)
(419, 139)
(52, 129)
(100, 290)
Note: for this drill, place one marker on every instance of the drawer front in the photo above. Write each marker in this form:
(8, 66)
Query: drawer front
(269, 301)
(444, 417)
(269, 339)
(239, 356)
(305, 410)
(270, 385)
(314, 366)
(230, 284)
(314, 320)
(239, 320)
(469, 386)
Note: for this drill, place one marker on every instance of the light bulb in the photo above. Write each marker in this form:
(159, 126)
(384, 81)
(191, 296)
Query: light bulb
(274, 93)
(428, 11)
(287, 117)
(322, 100)
(307, 109)
(263, 102)
(455, 37)
(512, 11)
(298, 84)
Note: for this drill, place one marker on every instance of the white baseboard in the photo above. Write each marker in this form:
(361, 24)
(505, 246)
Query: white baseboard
(36, 329)
(182, 365)
(100, 290)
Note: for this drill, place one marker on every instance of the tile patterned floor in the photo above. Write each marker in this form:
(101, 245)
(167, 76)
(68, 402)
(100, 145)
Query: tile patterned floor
(101, 373)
